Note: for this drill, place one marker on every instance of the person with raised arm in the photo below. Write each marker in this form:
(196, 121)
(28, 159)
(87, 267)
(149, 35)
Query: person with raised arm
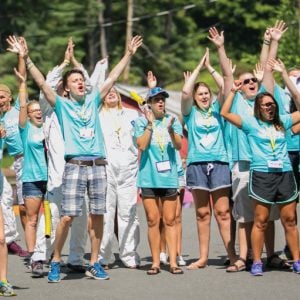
(271, 176)
(84, 154)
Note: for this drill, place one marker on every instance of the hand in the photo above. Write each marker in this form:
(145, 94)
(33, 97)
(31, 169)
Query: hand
(187, 75)
(278, 30)
(267, 35)
(103, 61)
(151, 80)
(23, 43)
(236, 86)
(232, 67)
(2, 132)
(19, 76)
(15, 46)
(170, 126)
(215, 37)
(69, 51)
(259, 72)
(149, 115)
(207, 59)
(134, 44)
(276, 65)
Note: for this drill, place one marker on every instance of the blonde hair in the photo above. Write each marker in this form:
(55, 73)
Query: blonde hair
(104, 106)
(31, 102)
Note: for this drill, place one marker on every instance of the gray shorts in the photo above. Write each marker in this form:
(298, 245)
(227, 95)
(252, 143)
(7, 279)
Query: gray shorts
(77, 180)
(208, 176)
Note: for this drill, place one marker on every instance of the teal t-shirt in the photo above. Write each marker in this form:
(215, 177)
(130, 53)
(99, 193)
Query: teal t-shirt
(12, 139)
(80, 125)
(205, 135)
(180, 170)
(267, 144)
(34, 164)
(284, 103)
(160, 150)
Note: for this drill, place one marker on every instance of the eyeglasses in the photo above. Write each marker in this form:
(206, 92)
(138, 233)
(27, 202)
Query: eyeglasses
(35, 110)
(267, 105)
(253, 79)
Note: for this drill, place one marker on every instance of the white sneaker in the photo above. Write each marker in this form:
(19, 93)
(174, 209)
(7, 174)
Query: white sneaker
(180, 261)
(163, 257)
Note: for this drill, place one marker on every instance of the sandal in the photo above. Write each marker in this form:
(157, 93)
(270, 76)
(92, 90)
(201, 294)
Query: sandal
(153, 271)
(237, 267)
(275, 262)
(176, 270)
(195, 266)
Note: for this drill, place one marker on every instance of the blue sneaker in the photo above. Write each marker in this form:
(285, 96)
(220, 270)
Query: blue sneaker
(296, 266)
(6, 289)
(54, 273)
(97, 272)
(256, 269)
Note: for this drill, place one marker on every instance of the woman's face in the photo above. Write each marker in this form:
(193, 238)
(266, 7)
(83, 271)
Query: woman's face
(267, 108)
(35, 114)
(158, 105)
(112, 98)
(202, 97)
(249, 86)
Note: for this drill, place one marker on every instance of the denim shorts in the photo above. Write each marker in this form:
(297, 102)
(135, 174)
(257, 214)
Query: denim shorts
(35, 189)
(208, 176)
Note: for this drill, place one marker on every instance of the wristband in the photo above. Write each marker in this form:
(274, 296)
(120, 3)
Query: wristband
(267, 42)
(212, 72)
(149, 128)
(66, 61)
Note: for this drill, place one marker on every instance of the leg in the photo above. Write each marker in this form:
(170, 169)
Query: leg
(3, 250)
(96, 232)
(153, 218)
(261, 216)
(203, 216)
(178, 219)
(163, 244)
(222, 215)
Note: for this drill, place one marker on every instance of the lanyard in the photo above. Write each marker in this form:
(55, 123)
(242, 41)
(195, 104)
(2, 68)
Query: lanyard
(160, 136)
(206, 115)
(115, 115)
(271, 135)
(81, 113)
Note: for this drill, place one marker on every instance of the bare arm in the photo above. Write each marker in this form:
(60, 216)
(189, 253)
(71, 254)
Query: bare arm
(175, 137)
(22, 98)
(225, 111)
(144, 140)
(187, 90)
(135, 43)
(265, 47)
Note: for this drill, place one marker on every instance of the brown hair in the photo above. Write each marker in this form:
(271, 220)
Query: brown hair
(68, 74)
(257, 111)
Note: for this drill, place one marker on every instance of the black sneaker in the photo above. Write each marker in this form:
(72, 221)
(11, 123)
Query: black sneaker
(37, 269)
(76, 268)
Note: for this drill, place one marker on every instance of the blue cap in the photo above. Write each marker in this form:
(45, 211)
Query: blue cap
(157, 91)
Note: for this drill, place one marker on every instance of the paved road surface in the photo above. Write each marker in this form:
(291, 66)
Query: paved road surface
(209, 283)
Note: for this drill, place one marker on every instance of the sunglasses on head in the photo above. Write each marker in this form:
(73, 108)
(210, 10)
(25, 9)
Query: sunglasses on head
(253, 79)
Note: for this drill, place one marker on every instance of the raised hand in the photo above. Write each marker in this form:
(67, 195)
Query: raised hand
(15, 46)
(170, 125)
(135, 43)
(276, 65)
(207, 59)
(151, 80)
(258, 72)
(278, 30)
(232, 67)
(23, 43)
(236, 86)
(69, 53)
(187, 75)
(2, 132)
(149, 115)
(20, 77)
(267, 35)
(216, 37)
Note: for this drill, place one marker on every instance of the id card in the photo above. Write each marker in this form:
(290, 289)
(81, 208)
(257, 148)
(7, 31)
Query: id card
(207, 140)
(275, 164)
(163, 166)
(86, 132)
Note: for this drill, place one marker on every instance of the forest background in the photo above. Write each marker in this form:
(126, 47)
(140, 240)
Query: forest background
(174, 32)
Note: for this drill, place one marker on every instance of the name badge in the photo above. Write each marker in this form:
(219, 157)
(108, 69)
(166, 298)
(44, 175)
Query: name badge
(207, 140)
(86, 132)
(275, 164)
(163, 166)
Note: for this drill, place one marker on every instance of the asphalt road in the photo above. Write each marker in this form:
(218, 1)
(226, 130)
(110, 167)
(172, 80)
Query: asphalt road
(209, 283)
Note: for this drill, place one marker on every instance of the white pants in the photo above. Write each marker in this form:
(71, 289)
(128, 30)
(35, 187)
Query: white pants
(10, 225)
(121, 197)
(18, 166)
(44, 247)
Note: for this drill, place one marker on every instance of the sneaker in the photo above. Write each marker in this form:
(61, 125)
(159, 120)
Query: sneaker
(296, 266)
(163, 257)
(180, 261)
(97, 272)
(6, 289)
(14, 248)
(54, 273)
(256, 269)
(286, 254)
(37, 269)
(76, 268)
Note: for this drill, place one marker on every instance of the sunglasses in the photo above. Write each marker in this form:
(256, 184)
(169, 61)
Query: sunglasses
(267, 105)
(253, 79)
(35, 110)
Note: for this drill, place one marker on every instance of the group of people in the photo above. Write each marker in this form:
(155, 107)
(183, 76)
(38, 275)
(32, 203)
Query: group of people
(80, 152)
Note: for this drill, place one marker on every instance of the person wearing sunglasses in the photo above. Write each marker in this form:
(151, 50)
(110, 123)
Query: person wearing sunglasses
(241, 154)
(271, 177)
(158, 135)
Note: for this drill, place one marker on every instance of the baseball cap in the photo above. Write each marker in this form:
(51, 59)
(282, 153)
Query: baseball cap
(5, 88)
(157, 91)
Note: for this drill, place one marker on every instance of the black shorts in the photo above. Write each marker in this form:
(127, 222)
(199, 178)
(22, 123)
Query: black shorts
(294, 158)
(158, 192)
(273, 187)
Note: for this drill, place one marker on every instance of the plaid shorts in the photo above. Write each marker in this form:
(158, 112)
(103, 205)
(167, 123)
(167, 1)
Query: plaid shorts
(76, 181)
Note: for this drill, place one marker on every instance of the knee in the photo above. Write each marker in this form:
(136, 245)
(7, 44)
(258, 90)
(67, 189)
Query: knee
(32, 221)
(203, 216)
(2, 241)
(170, 222)
(66, 220)
(153, 220)
(289, 222)
(222, 215)
(261, 224)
